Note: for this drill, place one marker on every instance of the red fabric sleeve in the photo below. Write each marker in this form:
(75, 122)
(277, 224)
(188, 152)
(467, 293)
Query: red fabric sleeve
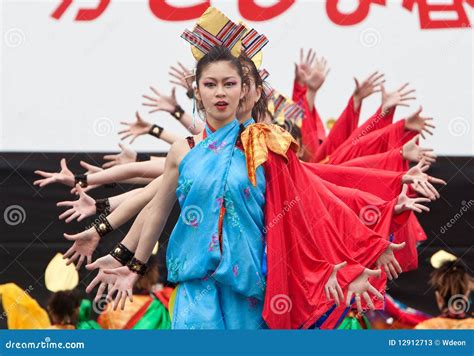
(384, 184)
(373, 123)
(308, 231)
(373, 143)
(342, 129)
(312, 129)
(391, 160)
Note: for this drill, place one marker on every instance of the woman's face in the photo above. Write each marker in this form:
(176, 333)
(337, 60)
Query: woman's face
(252, 95)
(220, 90)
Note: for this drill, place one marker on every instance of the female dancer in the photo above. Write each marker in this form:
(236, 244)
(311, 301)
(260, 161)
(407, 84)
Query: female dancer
(227, 259)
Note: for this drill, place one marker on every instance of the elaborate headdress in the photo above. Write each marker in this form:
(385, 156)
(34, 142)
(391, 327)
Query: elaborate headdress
(214, 28)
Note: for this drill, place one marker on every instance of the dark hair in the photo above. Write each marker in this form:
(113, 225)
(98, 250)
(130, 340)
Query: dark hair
(450, 279)
(218, 54)
(63, 306)
(260, 108)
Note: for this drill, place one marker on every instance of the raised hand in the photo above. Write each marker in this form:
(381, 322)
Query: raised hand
(421, 182)
(388, 262)
(303, 68)
(369, 86)
(420, 124)
(125, 279)
(332, 286)
(90, 169)
(126, 155)
(412, 152)
(65, 176)
(80, 208)
(396, 98)
(105, 281)
(317, 74)
(161, 102)
(84, 245)
(361, 286)
(135, 129)
(182, 76)
(404, 202)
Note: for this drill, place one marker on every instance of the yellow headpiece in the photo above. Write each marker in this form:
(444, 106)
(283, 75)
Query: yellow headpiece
(214, 28)
(59, 276)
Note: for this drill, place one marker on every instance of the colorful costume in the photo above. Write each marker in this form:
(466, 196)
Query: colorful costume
(216, 251)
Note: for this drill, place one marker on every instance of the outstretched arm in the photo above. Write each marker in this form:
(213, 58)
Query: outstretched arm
(147, 169)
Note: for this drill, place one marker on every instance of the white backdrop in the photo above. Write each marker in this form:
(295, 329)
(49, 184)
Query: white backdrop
(67, 84)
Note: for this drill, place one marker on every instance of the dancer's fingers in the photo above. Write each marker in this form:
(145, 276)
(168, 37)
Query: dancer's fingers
(397, 266)
(403, 86)
(340, 292)
(66, 213)
(68, 252)
(80, 262)
(349, 297)
(155, 91)
(111, 157)
(387, 272)
(109, 164)
(92, 285)
(72, 217)
(111, 292)
(368, 301)
(65, 203)
(100, 291)
(393, 271)
(375, 292)
(130, 295)
(436, 180)
(334, 295)
(117, 299)
(124, 299)
(358, 303)
(73, 258)
(326, 292)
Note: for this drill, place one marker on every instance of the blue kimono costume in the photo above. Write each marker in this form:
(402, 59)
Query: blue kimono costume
(218, 266)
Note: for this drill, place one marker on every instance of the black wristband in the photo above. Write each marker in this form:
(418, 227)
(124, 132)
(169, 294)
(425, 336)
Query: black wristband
(80, 179)
(142, 157)
(178, 112)
(156, 131)
(122, 254)
(137, 266)
(102, 206)
(110, 185)
(102, 226)
(190, 93)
